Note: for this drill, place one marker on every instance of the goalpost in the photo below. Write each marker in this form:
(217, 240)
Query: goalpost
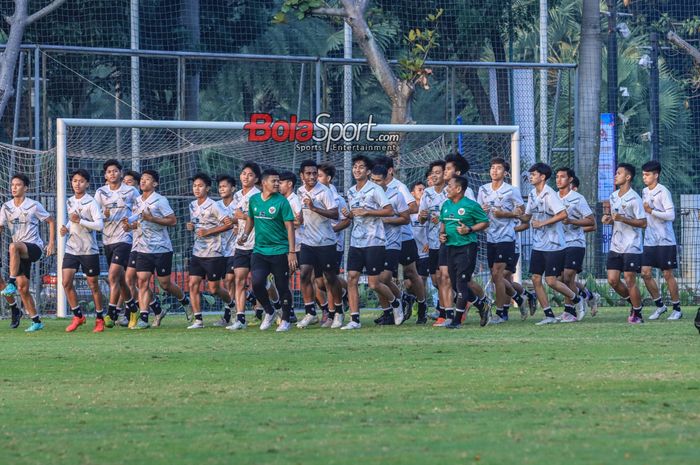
(177, 149)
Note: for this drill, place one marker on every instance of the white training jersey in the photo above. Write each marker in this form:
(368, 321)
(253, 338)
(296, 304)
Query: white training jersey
(240, 203)
(626, 238)
(120, 203)
(207, 215)
(544, 206)
(228, 237)
(406, 229)
(295, 203)
(432, 201)
(81, 239)
(317, 230)
(23, 221)
(367, 231)
(506, 198)
(659, 230)
(150, 237)
(340, 235)
(576, 209)
(469, 194)
(394, 233)
(420, 235)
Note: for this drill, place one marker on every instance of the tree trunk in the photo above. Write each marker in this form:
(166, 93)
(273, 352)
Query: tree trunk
(189, 19)
(502, 81)
(8, 59)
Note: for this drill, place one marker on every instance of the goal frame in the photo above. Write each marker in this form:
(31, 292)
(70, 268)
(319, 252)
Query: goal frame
(63, 125)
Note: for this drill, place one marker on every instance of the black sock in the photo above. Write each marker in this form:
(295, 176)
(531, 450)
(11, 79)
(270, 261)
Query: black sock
(77, 311)
(450, 314)
(198, 316)
(388, 312)
(338, 308)
(395, 303)
(155, 307)
(240, 317)
(325, 308)
(659, 302)
(697, 316)
(637, 311)
(499, 312)
(99, 315)
(505, 310)
(479, 303)
(582, 293)
(676, 306)
(11, 280)
(548, 312)
(518, 299)
(441, 312)
(112, 311)
(227, 313)
(355, 317)
(331, 314)
(277, 305)
(576, 299)
(310, 309)
(570, 310)
(14, 308)
(458, 316)
(185, 301)
(36, 318)
(422, 308)
(144, 317)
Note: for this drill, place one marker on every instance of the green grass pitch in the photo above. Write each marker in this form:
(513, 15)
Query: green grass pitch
(596, 392)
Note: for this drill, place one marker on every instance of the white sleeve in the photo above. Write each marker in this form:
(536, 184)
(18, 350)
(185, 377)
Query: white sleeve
(517, 196)
(480, 196)
(406, 194)
(380, 197)
(669, 212)
(164, 207)
(3, 215)
(401, 203)
(98, 198)
(328, 200)
(528, 208)
(554, 204)
(41, 212)
(638, 211)
(97, 222)
(584, 208)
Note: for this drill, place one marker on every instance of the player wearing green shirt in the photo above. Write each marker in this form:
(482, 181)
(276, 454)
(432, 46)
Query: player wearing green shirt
(461, 218)
(272, 217)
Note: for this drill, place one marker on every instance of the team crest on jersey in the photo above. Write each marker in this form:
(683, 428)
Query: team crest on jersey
(461, 211)
(272, 210)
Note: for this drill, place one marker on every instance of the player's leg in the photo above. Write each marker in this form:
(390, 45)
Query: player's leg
(17, 252)
(653, 288)
(14, 307)
(70, 267)
(353, 294)
(92, 276)
(280, 272)
(260, 270)
(194, 284)
(673, 291)
(163, 267)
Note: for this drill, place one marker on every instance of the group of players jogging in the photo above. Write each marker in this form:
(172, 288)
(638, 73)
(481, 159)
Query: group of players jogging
(263, 232)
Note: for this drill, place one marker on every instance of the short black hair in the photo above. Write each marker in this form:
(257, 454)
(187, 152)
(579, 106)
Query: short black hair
(575, 182)
(433, 164)
(541, 168)
(500, 161)
(111, 162)
(82, 173)
(629, 168)
(21, 177)
(288, 176)
(253, 167)
(305, 163)
(204, 177)
(463, 183)
(328, 169)
(152, 173)
(416, 184)
(364, 159)
(569, 172)
(133, 174)
(226, 177)
(267, 173)
(384, 160)
(461, 163)
(652, 166)
(380, 170)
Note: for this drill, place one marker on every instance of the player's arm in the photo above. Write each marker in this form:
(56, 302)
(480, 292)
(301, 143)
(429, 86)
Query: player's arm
(51, 246)
(443, 233)
(342, 224)
(249, 224)
(634, 222)
(423, 213)
(330, 212)
(97, 223)
(170, 220)
(585, 222)
(522, 227)
(291, 254)
(403, 217)
(412, 208)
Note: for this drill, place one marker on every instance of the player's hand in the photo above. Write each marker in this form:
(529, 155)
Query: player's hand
(292, 260)
(298, 219)
(518, 211)
(125, 225)
(106, 213)
(647, 208)
(486, 207)
(443, 238)
(500, 213)
(566, 220)
(308, 203)
(242, 240)
(617, 217)
(75, 218)
(202, 232)
(63, 231)
(536, 224)
(228, 221)
(347, 213)
(463, 229)
(435, 219)
(423, 215)
(426, 248)
(50, 249)
(240, 215)
(606, 219)
(146, 216)
(359, 212)
(189, 226)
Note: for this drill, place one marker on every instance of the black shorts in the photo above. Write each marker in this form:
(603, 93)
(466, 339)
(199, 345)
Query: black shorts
(118, 253)
(409, 252)
(133, 257)
(461, 262)
(366, 258)
(500, 252)
(161, 263)
(624, 262)
(547, 263)
(241, 259)
(663, 257)
(323, 258)
(391, 261)
(423, 266)
(90, 264)
(513, 266)
(573, 258)
(433, 260)
(339, 256)
(442, 255)
(230, 264)
(25, 264)
(212, 268)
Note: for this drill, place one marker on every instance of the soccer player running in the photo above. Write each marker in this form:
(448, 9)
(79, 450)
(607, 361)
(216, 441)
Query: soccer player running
(504, 205)
(659, 241)
(131, 318)
(460, 219)
(84, 218)
(626, 247)
(288, 182)
(420, 235)
(116, 201)
(150, 220)
(318, 257)
(578, 216)
(545, 213)
(22, 216)
(226, 185)
(391, 315)
(208, 222)
(272, 218)
(367, 205)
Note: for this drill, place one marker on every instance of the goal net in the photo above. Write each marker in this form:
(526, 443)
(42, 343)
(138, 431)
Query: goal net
(178, 149)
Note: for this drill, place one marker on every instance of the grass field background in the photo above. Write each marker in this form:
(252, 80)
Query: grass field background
(596, 392)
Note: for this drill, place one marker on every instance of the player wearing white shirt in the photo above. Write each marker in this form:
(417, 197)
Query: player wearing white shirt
(545, 213)
(367, 205)
(150, 219)
(625, 256)
(84, 219)
(659, 240)
(393, 226)
(288, 181)
(503, 204)
(420, 235)
(226, 186)
(250, 175)
(578, 216)
(208, 222)
(116, 201)
(131, 318)
(22, 216)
